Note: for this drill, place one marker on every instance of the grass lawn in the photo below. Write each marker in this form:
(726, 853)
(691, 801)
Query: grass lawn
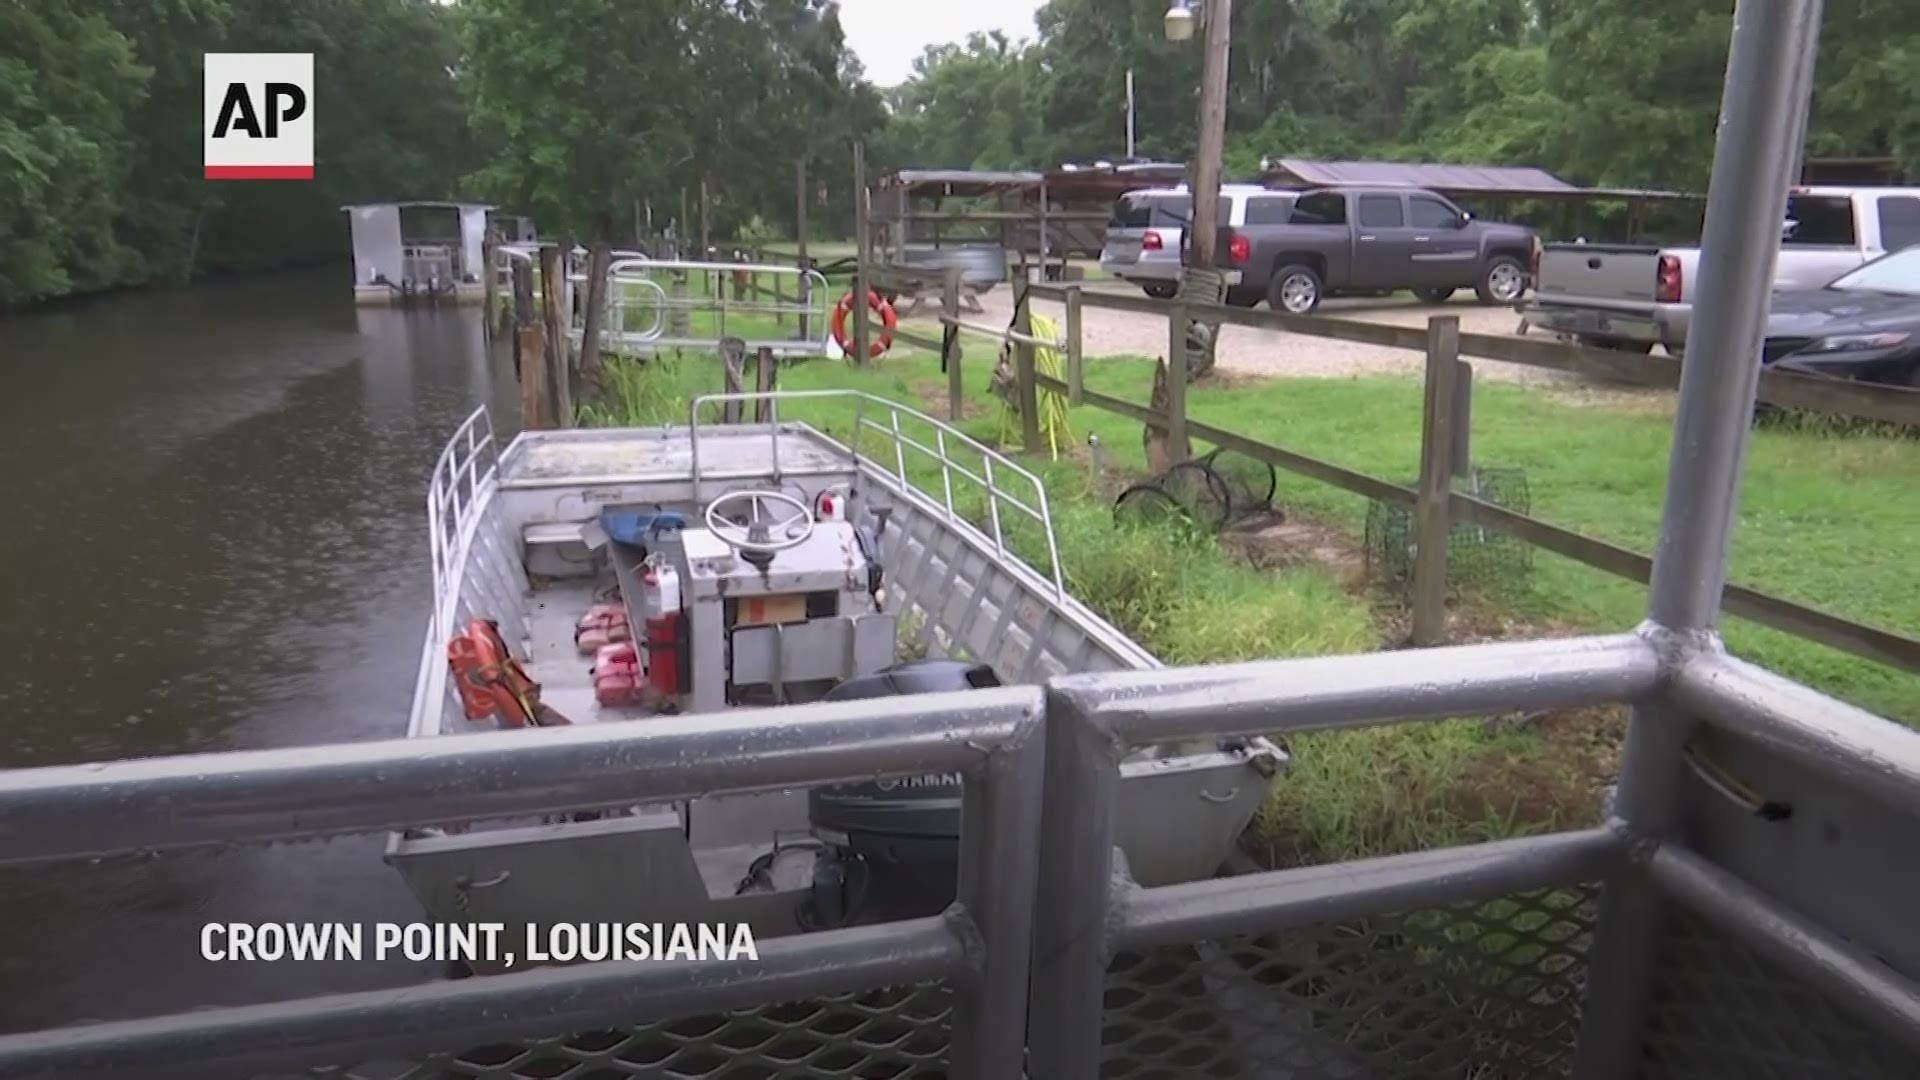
(1826, 519)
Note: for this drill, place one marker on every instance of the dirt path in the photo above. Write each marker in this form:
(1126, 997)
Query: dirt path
(1247, 351)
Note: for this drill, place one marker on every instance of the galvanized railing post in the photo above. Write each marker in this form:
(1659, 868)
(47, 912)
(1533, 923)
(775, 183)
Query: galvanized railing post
(1072, 925)
(999, 871)
(1746, 200)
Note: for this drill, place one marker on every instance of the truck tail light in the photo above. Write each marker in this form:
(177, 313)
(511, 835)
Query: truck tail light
(1151, 241)
(1238, 249)
(1667, 284)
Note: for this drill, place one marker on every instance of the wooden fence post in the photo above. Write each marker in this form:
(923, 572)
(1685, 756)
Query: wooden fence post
(1178, 448)
(950, 344)
(803, 296)
(679, 317)
(1025, 386)
(862, 239)
(733, 362)
(1076, 387)
(1463, 419)
(766, 378)
(1433, 518)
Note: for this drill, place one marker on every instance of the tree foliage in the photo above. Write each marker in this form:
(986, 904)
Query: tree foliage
(100, 146)
(1614, 92)
(587, 113)
(671, 94)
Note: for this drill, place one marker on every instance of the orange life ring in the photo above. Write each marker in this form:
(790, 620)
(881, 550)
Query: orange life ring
(491, 683)
(889, 321)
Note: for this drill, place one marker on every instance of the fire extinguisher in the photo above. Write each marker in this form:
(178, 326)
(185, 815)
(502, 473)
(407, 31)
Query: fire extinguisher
(660, 603)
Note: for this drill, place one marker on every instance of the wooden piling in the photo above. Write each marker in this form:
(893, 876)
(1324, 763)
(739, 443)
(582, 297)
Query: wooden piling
(1026, 386)
(766, 379)
(950, 344)
(554, 369)
(862, 239)
(1178, 447)
(489, 285)
(531, 338)
(1076, 379)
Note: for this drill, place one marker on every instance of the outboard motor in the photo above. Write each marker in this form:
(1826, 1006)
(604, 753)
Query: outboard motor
(895, 844)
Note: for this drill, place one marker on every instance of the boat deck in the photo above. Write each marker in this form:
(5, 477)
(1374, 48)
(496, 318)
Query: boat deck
(729, 831)
(668, 454)
(565, 676)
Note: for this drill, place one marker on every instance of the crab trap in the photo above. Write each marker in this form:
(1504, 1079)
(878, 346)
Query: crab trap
(1476, 554)
(1208, 493)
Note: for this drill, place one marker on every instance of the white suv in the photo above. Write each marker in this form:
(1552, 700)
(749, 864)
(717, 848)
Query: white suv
(1145, 232)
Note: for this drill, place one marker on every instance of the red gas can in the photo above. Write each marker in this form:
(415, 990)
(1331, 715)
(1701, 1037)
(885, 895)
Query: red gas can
(663, 653)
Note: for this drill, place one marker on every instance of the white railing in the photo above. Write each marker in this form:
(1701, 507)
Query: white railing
(990, 476)
(689, 305)
(427, 263)
(465, 471)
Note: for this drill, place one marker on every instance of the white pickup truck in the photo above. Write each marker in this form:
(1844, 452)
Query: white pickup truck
(1611, 296)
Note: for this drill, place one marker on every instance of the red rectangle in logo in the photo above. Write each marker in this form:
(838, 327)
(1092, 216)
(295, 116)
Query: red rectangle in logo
(259, 172)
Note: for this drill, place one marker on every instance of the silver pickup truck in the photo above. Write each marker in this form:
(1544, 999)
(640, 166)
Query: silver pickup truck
(1634, 298)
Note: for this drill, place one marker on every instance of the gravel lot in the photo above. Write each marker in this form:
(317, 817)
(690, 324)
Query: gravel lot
(1244, 350)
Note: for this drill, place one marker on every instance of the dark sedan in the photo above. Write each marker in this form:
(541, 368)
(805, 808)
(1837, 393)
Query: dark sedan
(1863, 325)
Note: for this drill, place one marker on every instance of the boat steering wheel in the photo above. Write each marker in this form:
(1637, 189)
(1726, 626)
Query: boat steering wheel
(766, 530)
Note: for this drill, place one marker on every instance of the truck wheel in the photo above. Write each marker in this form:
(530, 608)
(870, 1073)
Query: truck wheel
(1294, 289)
(1159, 290)
(1433, 296)
(1504, 282)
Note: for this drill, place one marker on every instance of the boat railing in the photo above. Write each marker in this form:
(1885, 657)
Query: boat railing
(1743, 909)
(950, 463)
(1514, 957)
(653, 304)
(467, 468)
(427, 262)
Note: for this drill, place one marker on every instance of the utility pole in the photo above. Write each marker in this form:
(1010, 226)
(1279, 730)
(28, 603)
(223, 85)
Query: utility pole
(1129, 114)
(1217, 15)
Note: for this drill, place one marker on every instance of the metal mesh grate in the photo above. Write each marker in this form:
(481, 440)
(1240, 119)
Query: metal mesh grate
(1476, 555)
(1478, 990)
(1721, 1011)
(898, 1034)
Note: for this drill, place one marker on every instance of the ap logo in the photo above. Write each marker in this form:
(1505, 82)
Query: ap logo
(258, 122)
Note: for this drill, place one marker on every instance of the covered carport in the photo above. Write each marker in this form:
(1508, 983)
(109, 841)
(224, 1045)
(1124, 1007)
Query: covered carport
(1043, 217)
(1561, 210)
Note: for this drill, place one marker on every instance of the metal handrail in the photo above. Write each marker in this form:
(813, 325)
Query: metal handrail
(980, 948)
(1005, 335)
(463, 473)
(810, 307)
(992, 462)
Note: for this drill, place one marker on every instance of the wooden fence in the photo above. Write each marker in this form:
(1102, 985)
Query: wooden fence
(1446, 416)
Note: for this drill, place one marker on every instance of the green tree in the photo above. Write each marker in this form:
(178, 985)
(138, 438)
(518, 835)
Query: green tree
(68, 84)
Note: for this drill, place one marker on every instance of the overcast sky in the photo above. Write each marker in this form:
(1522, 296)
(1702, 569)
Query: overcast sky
(888, 34)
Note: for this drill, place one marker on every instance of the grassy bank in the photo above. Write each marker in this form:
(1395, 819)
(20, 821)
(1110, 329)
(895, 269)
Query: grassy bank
(1396, 789)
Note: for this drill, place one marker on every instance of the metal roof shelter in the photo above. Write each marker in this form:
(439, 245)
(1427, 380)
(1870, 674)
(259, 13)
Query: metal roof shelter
(1499, 183)
(1061, 211)
(1496, 180)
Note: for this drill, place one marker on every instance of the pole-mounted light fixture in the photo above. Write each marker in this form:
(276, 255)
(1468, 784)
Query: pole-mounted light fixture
(1180, 21)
